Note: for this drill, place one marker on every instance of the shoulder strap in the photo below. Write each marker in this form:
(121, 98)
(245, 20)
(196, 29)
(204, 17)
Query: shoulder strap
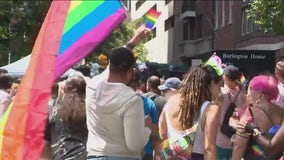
(267, 115)
(194, 127)
(203, 107)
(154, 97)
(237, 95)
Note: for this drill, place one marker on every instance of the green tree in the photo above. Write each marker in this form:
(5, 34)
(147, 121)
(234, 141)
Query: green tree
(268, 15)
(119, 37)
(20, 22)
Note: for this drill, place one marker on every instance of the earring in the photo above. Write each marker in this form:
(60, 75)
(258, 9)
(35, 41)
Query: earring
(257, 101)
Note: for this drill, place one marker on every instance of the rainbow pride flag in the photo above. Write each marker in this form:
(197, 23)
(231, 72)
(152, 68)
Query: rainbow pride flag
(243, 79)
(257, 150)
(151, 18)
(71, 30)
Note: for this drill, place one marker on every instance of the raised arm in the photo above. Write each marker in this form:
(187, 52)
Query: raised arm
(141, 33)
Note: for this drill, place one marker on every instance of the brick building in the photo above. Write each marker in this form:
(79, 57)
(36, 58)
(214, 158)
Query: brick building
(194, 29)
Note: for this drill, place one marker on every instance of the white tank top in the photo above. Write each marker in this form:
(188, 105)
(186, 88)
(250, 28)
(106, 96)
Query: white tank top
(199, 135)
(174, 134)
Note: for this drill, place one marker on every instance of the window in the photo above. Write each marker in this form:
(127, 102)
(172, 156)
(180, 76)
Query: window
(139, 3)
(223, 13)
(155, 7)
(199, 26)
(167, 1)
(248, 25)
(230, 12)
(169, 23)
(188, 29)
(127, 4)
(216, 14)
(188, 5)
(154, 32)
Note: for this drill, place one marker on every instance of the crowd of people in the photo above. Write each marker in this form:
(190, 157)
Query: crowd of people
(8, 89)
(209, 114)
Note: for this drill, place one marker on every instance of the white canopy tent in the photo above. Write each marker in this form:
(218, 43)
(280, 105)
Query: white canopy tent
(18, 68)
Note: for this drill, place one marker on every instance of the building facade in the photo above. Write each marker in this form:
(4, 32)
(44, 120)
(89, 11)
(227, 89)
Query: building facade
(193, 29)
(161, 47)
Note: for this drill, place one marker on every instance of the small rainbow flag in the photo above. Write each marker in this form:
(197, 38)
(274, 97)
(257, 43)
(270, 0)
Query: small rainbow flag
(151, 18)
(71, 30)
(257, 150)
(243, 79)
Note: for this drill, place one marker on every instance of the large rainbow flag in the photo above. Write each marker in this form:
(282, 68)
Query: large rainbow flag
(71, 30)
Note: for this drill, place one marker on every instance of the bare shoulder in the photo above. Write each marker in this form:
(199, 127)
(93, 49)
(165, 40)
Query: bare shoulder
(213, 106)
(212, 110)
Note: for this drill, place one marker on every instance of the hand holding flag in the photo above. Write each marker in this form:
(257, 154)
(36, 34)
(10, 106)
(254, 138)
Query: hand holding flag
(141, 33)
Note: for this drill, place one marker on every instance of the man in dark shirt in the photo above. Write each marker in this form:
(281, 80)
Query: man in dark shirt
(154, 93)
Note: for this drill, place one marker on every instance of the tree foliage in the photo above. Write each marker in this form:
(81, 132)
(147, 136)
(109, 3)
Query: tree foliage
(20, 22)
(268, 15)
(118, 38)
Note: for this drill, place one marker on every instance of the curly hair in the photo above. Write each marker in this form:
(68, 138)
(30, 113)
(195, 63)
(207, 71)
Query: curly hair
(195, 89)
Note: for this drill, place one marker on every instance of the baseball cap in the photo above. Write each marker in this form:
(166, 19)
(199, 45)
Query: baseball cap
(233, 72)
(172, 82)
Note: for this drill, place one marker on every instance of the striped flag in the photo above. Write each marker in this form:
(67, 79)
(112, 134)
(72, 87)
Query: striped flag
(71, 30)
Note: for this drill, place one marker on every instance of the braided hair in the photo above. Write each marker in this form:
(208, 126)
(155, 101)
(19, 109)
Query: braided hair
(195, 89)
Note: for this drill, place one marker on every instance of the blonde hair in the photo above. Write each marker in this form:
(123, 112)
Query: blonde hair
(279, 69)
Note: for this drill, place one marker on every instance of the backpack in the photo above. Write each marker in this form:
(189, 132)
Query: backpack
(225, 128)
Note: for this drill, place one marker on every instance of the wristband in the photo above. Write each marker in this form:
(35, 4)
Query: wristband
(242, 136)
(162, 136)
(256, 133)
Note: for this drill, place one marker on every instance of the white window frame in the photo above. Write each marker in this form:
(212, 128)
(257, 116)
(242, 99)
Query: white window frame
(216, 15)
(230, 12)
(248, 25)
(223, 13)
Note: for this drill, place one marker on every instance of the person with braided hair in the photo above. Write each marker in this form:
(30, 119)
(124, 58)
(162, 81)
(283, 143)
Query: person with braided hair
(196, 103)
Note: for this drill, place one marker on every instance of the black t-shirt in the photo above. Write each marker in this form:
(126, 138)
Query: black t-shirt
(159, 101)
